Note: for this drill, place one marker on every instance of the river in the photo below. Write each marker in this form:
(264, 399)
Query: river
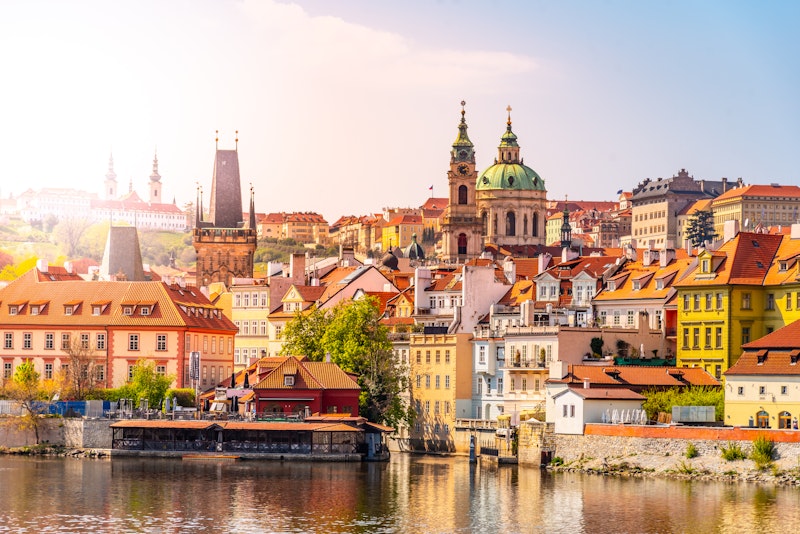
(408, 494)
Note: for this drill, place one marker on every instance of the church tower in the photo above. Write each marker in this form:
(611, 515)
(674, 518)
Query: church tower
(461, 229)
(155, 183)
(110, 184)
(225, 246)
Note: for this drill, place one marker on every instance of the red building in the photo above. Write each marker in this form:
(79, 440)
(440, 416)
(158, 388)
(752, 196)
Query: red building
(299, 386)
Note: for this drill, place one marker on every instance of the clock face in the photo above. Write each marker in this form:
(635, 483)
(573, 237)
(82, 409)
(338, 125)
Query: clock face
(463, 169)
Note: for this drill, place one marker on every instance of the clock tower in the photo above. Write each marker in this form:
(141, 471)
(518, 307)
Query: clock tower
(461, 228)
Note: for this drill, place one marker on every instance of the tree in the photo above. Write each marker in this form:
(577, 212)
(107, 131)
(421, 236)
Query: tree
(701, 228)
(358, 344)
(69, 233)
(24, 388)
(146, 383)
(82, 376)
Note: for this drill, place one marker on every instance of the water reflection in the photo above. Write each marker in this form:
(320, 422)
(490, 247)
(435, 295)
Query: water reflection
(409, 494)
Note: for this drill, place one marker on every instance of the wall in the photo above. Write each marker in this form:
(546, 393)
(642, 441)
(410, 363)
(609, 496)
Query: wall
(73, 433)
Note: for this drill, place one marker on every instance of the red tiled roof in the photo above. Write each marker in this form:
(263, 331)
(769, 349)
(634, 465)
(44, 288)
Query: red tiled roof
(634, 375)
(772, 362)
(592, 393)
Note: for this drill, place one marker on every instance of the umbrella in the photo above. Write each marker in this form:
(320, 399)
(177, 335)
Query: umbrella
(235, 404)
(233, 380)
(246, 381)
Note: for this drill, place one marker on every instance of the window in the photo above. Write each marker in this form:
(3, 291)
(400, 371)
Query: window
(161, 342)
(745, 301)
(447, 356)
(428, 381)
(482, 354)
(100, 342)
(616, 318)
(48, 371)
(524, 384)
(7, 370)
(419, 356)
(686, 338)
(565, 410)
(718, 337)
(27, 340)
(427, 356)
(499, 386)
(770, 301)
(602, 318)
(745, 334)
(446, 381)
(696, 338)
(49, 341)
(100, 372)
(127, 310)
(631, 317)
(438, 356)
(133, 341)
(12, 310)
(427, 406)
(788, 301)
(8, 340)
(762, 390)
(288, 380)
(84, 341)
(145, 310)
(419, 381)
(696, 302)
(513, 385)
(436, 408)
(708, 338)
(659, 319)
(68, 310)
(34, 310)
(437, 382)
(784, 390)
(709, 300)
(161, 370)
(96, 310)
(130, 372)
(719, 301)
(65, 341)
(740, 390)
(686, 302)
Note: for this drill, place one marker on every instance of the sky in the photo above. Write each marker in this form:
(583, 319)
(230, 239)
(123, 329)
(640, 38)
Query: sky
(349, 107)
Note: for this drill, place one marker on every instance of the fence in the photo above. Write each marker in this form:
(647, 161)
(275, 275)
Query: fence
(62, 408)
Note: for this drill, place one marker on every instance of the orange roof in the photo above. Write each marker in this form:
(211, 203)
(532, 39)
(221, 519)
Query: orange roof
(634, 375)
(592, 393)
(307, 375)
(782, 191)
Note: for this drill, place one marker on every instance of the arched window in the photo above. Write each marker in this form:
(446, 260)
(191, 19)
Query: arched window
(485, 223)
(525, 225)
(762, 419)
(462, 244)
(535, 225)
(462, 194)
(511, 223)
(494, 225)
(784, 420)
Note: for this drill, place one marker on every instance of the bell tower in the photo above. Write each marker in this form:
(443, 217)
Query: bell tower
(461, 229)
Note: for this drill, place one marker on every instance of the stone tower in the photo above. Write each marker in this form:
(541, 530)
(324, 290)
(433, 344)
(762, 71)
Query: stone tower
(225, 246)
(155, 183)
(461, 229)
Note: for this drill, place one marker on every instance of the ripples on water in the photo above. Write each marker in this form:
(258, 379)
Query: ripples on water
(409, 494)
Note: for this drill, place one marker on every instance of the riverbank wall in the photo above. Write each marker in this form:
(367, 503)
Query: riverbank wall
(74, 433)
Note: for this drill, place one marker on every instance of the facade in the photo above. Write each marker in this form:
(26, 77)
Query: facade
(400, 231)
(249, 312)
(765, 205)
(763, 387)
(225, 246)
(574, 406)
(44, 311)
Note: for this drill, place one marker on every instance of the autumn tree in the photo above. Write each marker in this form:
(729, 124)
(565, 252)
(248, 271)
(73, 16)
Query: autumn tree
(358, 344)
(84, 370)
(68, 234)
(24, 389)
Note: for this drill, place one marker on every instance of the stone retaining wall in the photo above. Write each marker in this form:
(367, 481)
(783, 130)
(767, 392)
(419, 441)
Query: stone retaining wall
(73, 433)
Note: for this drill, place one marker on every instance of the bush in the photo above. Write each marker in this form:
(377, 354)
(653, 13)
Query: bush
(184, 396)
(733, 452)
(691, 451)
(558, 460)
(763, 451)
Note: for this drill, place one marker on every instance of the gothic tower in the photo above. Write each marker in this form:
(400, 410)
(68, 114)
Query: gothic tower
(461, 230)
(155, 183)
(225, 246)
(110, 184)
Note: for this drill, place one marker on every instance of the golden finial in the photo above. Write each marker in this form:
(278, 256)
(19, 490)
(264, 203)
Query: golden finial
(509, 114)
(216, 140)
(237, 139)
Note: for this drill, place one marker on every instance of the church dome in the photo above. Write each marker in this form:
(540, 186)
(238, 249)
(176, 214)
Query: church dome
(414, 251)
(508, 171)
(389, 260)
(509, 176)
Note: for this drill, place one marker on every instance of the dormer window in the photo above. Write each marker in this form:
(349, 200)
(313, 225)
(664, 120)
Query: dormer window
(34, 310)
(794, 356)
(127, 310)
(68, 310)
(612, 285)
(288, 380)
(13, 310)
(761, 357)
(705, 265)
(636, 285)
(783, 266)
(659, 284)
(145, 310)
(97, 310)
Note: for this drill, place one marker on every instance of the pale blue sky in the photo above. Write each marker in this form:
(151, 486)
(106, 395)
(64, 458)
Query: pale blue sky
(351, 106)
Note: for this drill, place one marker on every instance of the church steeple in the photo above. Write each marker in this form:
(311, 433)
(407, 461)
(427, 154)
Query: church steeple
(566, 228)
(252, 220)
(463, 149)
(155, 182)
(111, 180)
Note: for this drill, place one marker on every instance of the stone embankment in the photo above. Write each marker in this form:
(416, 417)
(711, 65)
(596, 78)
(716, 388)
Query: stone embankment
(680, 452)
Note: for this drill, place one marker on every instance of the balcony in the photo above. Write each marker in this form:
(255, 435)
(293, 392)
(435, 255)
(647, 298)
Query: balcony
(476, 424)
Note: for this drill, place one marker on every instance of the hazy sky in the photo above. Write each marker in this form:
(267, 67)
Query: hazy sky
(347, 107)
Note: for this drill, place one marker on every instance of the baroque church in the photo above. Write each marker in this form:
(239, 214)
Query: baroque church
(504, 206)
(225, 244)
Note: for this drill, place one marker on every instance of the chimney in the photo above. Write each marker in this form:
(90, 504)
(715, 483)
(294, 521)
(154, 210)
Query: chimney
(69, 267)
(327, 357)
(724, 184)
(42, 265)
(586, 383)
(666, 256)
(297, 268)
(729, 230)
(544, 261)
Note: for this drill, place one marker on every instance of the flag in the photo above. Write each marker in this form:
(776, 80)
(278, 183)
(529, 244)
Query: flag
(430, 188)
(619, 192)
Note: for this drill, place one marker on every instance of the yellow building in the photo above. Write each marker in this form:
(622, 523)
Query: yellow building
(722, 303)
(765, 205)
(398, 232)
(762, 388)
(440, 388)
(249, 312)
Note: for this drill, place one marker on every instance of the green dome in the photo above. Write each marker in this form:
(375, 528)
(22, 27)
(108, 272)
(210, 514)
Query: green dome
(509, 176)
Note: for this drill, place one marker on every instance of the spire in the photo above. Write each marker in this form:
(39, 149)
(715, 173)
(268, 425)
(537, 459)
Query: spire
(111, 175)
(237, 140)
(508, 138)
(198, 206)
(463, 149)
(252, 207)
(155, 177)
(216, 141)
(566, 228)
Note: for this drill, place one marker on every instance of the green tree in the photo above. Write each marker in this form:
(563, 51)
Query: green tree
(69, 233)
(303, 334)
(663, 400)
(701, 228)
(146, 383)
(358, 344)
(81, 375)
